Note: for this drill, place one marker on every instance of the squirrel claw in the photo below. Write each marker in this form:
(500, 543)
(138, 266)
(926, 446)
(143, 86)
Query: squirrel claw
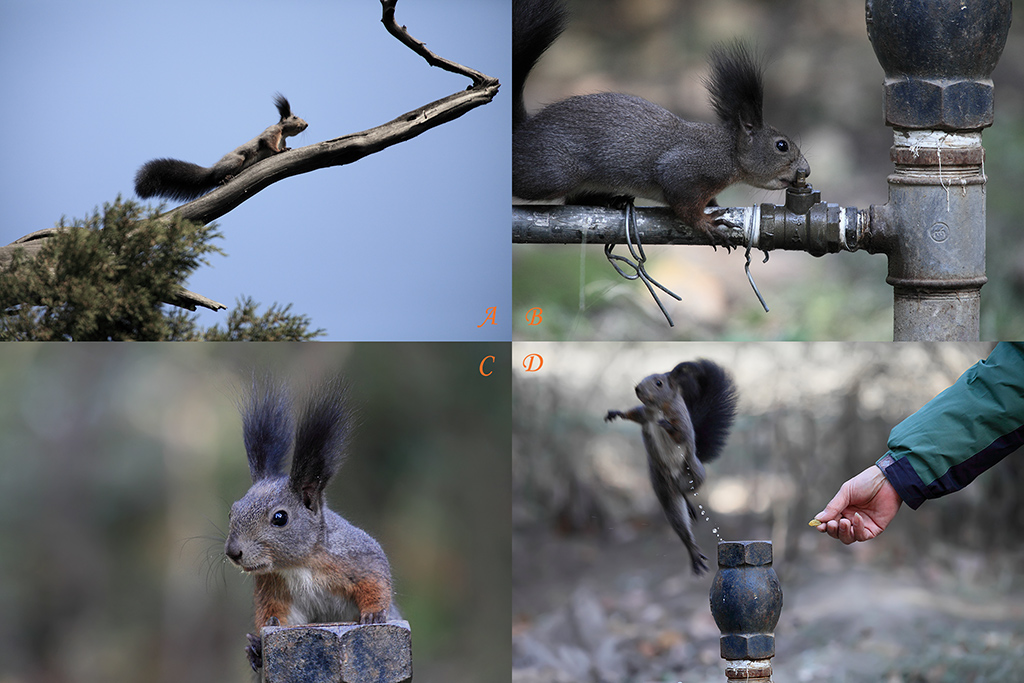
(620, 201)
(718, 238)
(254, 652)
(718, 220)
(612, 414)
(373, 617)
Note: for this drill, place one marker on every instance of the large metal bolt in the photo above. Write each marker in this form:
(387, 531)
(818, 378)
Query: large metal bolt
(746, 601)
(937, 57)
(338, 653)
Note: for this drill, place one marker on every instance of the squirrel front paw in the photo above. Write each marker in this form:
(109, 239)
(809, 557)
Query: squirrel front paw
(672, 430)
(719, 221)
(254, 652)
(373, 617)
(612, 414)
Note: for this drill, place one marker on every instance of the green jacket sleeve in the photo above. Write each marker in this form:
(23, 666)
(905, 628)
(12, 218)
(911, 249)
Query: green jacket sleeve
(962, 432)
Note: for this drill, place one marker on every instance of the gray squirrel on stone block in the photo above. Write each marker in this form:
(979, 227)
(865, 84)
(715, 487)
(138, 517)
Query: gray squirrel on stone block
(321, 586)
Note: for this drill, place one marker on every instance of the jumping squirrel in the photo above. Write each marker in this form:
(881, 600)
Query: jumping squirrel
(685, 416)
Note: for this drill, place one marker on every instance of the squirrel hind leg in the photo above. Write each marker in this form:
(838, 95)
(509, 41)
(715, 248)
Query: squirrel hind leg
(717, 217)
(699, 562)
(679, 513)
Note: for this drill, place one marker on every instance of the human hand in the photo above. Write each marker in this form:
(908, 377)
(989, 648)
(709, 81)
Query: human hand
(861, 509)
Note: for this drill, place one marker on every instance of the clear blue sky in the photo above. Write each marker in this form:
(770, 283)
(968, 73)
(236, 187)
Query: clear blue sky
(412, 243)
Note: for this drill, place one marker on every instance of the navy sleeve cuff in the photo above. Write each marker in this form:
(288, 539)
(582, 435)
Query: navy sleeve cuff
(904, 479)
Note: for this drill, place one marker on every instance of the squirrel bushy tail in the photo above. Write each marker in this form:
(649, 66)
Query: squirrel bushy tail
(174, 179)
(710, 394)
(536, 24)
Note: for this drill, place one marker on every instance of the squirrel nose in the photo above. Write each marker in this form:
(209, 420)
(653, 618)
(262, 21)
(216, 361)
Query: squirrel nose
(233, 552)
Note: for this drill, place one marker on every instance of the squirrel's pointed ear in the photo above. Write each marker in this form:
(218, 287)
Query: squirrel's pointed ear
(312, 497)
(678, 374)
(749, 129)
(266, 427)
(320, 440)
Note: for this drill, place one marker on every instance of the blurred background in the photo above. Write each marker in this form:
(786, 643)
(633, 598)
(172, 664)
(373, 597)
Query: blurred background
(823, 88)
(602, 588)
(118, 464)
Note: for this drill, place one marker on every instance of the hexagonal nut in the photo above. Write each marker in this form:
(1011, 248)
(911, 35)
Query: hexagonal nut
(744, 553)
(943, 104)
(748, 646)
(337, 653)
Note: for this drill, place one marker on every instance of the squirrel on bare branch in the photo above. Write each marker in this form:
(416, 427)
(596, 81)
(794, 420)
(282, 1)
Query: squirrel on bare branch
(184, 181)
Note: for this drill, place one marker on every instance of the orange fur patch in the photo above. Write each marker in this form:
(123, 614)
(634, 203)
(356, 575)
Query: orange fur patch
(271, 599)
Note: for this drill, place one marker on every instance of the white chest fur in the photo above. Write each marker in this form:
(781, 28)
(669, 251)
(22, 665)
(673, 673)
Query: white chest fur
(312, 602)
(673, 455)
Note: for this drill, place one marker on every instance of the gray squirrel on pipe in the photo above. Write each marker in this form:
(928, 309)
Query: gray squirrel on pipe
(604, 147)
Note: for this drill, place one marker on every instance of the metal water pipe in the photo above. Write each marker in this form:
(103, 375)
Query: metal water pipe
(938, 57)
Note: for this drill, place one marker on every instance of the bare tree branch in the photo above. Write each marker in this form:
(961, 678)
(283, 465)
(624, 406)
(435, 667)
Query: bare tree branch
(354, 146)
(186, 299)
(30, 244)
(420, 48)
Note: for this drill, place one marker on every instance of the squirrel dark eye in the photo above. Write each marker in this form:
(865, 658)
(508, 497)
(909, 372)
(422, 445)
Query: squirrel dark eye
(782, 146)
(280, 518)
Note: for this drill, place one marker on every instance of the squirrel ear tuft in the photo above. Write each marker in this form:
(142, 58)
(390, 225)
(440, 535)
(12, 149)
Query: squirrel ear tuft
(266, 427)
(322, 435)
(736, 86)
(283, 108)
